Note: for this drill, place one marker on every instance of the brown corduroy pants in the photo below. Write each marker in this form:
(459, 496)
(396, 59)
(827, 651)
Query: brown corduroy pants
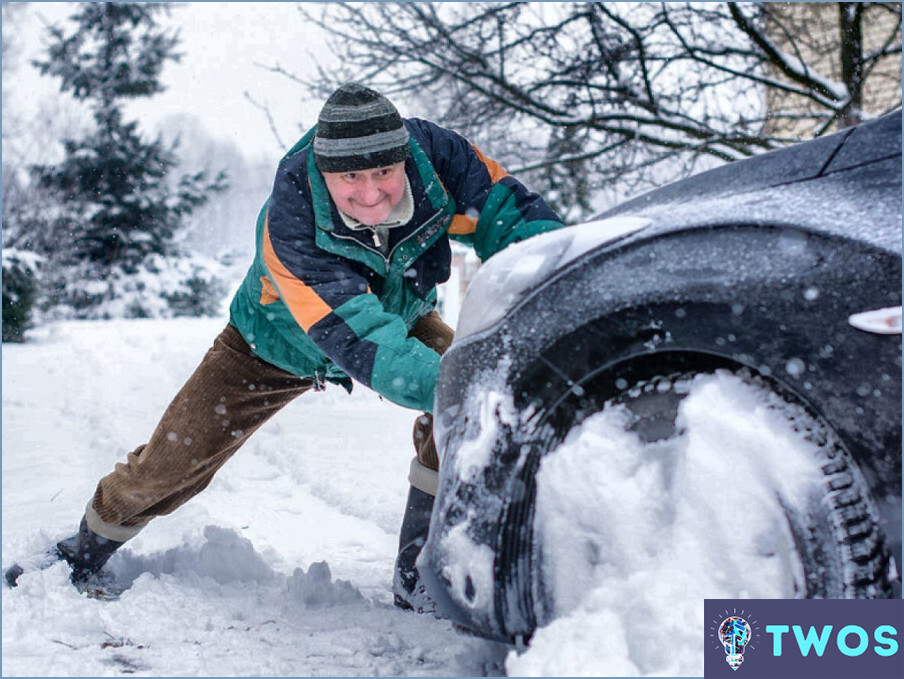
(228, 397)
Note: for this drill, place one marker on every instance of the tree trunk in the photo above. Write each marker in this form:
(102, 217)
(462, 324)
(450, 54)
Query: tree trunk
(850, 25)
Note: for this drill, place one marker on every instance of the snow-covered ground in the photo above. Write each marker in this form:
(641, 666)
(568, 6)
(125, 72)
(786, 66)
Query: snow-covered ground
(283, 566)
(233, 583)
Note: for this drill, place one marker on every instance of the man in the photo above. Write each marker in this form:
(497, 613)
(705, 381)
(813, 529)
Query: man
(350, 247)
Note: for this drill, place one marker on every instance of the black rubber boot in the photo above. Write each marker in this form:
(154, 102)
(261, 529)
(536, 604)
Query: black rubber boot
(408, 591)
(86, 552)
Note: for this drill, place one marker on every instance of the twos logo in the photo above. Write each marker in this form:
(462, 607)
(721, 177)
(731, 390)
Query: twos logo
(804, 638)
(734, 633)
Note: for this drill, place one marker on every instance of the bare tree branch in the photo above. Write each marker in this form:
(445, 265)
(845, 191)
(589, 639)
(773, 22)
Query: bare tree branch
(581, 95)
(270, 122)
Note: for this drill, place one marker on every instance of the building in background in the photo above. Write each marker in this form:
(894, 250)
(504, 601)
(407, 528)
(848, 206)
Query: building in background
(813, 32)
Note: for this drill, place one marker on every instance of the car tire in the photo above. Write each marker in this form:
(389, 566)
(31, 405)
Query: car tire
(838, 539)
(840, 545)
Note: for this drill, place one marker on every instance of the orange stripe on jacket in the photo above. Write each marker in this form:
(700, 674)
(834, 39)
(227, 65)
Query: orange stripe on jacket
(305, 305)
(463, 225)
(496, 170)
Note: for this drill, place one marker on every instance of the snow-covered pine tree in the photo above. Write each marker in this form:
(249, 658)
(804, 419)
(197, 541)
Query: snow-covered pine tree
(119, 214)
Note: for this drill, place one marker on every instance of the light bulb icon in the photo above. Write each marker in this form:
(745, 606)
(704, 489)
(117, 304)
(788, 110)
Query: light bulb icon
(734, 633)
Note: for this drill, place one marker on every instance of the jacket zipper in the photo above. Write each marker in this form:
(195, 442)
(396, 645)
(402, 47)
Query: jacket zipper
(388, 258)
(363, 245)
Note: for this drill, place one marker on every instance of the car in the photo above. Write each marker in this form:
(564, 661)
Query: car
(779, 275)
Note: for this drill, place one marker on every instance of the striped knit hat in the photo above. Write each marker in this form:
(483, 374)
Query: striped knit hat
(358, 129)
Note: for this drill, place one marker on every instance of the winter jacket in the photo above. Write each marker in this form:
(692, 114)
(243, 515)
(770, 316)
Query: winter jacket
(321, 300)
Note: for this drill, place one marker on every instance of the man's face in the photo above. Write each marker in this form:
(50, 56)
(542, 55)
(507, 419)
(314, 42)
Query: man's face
(367, 195)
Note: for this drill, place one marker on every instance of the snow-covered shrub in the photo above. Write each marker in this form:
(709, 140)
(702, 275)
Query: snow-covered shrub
(160, 287)
(20, 290)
